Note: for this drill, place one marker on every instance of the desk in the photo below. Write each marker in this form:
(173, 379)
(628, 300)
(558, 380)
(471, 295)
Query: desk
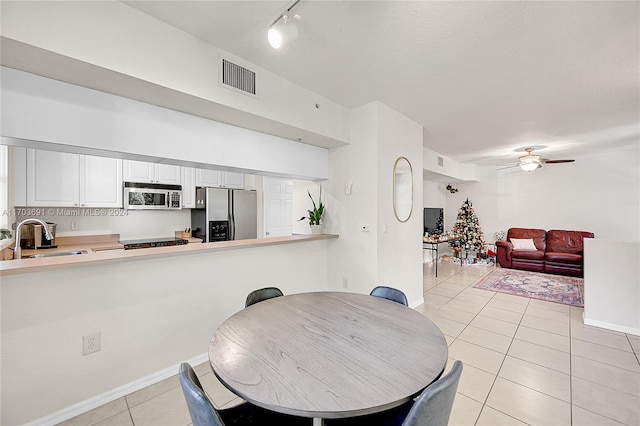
(434, 241)
(327, 355)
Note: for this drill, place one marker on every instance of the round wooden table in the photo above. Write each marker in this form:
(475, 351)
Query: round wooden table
(327, 355)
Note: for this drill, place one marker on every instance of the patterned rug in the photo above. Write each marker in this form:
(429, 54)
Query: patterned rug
(552, 288)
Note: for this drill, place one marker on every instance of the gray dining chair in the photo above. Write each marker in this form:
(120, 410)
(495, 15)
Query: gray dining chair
(200, 407)
(390, 293)
(433, 406)
(262, 294)
(203, 413)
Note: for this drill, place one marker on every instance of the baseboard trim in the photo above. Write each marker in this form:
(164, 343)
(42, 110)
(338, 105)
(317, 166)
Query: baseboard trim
(113, 394)
(614, 327)
(416, 303)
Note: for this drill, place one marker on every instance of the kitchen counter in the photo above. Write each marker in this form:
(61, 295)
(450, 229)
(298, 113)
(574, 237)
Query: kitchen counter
(109, 251)
(90, 243)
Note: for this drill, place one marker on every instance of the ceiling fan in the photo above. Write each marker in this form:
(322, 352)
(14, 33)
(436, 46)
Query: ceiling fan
(531, 161)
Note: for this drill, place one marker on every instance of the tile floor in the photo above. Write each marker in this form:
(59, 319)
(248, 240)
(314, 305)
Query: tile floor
(525, 362)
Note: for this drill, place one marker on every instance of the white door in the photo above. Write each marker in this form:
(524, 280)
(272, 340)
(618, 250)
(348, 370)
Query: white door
(278, 207)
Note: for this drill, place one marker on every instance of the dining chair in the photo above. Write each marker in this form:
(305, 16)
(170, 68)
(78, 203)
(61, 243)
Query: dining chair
(203, 413)
(262, 294)
(200, 407)
(433, 406)
(390, 293)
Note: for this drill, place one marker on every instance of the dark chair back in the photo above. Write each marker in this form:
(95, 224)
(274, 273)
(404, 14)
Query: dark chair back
(262, 294)
(200, 408)
(391, 294)
(433, 406)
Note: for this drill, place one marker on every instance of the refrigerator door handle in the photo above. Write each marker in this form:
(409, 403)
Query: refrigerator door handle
(232, 222)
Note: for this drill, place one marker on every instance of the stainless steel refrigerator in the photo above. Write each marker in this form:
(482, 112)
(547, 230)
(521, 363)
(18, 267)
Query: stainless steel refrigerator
(224, 214)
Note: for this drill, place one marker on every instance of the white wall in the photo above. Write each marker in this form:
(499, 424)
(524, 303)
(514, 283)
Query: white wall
(611, 285)
(390, 253)
(353, 257)
(152, 51)
(599, 193)
(152, 312)
(71, 116)
(399, 243)
(434, 194)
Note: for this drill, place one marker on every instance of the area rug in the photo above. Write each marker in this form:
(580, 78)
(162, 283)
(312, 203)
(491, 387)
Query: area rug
(552, 288)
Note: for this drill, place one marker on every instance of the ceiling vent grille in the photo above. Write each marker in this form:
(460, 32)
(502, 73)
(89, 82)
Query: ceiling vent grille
(440, 161)
(238, 78)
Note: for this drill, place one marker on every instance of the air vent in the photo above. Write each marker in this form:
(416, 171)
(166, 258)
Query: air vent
(440, 161)
(239, 78)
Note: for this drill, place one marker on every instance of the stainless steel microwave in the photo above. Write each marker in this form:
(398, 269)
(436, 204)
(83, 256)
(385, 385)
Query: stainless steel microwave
(151, 196)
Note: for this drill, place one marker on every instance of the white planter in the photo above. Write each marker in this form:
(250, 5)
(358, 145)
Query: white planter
(316, 229)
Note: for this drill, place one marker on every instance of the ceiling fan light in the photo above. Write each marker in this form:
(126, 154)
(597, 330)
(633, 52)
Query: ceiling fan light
(529, 166)
(281, 32)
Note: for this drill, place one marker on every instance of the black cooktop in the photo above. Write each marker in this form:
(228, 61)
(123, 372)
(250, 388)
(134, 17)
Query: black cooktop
(152, 242)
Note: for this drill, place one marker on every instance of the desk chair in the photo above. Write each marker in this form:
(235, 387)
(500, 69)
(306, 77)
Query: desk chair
(262, 294)
(391, 294)
(203, 413)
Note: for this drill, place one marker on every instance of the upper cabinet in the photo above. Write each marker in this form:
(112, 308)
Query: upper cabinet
(59, 179)
(188, 188)
(53, 179)
(218, 179)
(140, 171)
(100, 182)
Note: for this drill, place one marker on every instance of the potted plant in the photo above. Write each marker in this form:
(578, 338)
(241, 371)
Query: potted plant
(315, 216)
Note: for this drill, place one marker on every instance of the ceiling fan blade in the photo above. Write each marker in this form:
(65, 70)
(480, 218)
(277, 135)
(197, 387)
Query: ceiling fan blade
(558, 161)
(504, 167)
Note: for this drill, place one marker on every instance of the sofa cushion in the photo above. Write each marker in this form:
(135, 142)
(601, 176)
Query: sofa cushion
(527, 254)
(558, 257)
(525, 244)
(538, 236)
(566, 241)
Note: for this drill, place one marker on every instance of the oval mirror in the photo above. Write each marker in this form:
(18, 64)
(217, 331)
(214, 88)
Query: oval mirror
(402, 189)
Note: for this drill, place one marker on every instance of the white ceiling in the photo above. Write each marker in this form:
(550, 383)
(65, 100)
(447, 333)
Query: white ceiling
(482, 78)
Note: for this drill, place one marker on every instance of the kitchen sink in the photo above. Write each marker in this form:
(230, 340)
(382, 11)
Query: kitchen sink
(59, 253)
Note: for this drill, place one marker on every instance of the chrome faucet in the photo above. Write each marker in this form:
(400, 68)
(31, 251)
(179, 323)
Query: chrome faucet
(17, 251)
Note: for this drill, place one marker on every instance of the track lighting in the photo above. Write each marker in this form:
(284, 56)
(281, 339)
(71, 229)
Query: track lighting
(283, 30)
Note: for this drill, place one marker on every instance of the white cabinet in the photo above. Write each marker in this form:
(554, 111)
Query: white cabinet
(233, 180)
(53, 179)
(188, 188)
(60, 179)
(100, 182)
(218, 179)
(140, 171)
(206, 177)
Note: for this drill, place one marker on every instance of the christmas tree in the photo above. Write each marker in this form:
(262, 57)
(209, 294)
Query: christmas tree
(468, 227)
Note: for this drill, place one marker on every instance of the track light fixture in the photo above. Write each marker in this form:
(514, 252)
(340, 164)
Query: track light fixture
(283, 30)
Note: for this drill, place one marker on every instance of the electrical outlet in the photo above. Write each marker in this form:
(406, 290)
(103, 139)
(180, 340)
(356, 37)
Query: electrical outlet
(90, 343)
(75, 226)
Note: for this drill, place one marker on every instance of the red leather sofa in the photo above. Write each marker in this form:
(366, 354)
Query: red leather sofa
(556, 251)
